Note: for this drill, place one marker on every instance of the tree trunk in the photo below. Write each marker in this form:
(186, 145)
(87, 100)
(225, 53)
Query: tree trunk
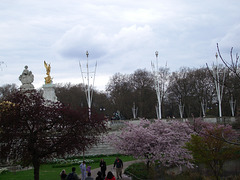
(36, 166)
(148, 165)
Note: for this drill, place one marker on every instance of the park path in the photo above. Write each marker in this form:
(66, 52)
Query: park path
(110, 168)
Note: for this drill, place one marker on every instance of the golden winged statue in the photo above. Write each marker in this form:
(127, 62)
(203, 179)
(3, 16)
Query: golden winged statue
(48, 79)
(48, 68)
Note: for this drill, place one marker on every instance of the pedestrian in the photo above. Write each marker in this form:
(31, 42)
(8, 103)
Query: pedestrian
(99, 176)
(72, 175)
(103, 168)
(89, 169)
(89, 177)
(119, 165)
(63, 174)
(83, 170)
(110, 176)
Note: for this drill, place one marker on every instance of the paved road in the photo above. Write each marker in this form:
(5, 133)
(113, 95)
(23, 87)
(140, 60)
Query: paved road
(110, 168)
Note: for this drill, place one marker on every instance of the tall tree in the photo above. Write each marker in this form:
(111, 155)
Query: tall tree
(203, 91)
(233, 63)
(233, 66)
(121, 94)
(71, 94)
(33, 130)
(102, 103)
(180, 90)
(7, 89)
(142, 83)
(74, 95)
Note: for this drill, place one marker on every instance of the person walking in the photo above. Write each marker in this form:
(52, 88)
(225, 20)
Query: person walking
(72, 175)
(119, 166)
(110, 176)
(83, 170)
(103, 167)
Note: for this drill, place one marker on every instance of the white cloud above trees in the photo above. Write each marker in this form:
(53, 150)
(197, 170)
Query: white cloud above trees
(121, 35)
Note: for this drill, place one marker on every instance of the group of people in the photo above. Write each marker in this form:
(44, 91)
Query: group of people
(101, 175)
(118, 164)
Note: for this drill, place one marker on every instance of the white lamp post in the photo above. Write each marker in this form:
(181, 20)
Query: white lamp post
(89, 83)
(219, 87)
(158, 89)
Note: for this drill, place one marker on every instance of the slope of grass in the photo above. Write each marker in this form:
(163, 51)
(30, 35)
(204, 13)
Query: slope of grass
(52, 171)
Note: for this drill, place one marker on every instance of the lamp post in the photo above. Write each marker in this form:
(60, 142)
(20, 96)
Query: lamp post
(181, 109)
(204, 107)
(90, 79)
(232, 105)
(134, 111)
(2, 63)
(219, 87)
(159, 91)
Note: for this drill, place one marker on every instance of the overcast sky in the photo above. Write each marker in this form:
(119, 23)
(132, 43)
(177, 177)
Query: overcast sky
(122, 36)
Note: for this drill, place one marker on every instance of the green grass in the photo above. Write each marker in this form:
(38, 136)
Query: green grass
(52, 171)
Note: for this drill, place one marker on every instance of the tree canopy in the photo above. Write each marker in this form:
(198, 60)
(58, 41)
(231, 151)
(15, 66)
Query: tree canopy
(33, 130)
(209, 145)
(155, 141)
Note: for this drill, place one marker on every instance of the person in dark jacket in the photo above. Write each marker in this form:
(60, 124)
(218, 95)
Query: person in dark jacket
(103, 167)
(72, 175)
(99, 176)
(119, 165)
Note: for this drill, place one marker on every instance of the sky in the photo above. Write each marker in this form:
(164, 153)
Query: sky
(121, 36)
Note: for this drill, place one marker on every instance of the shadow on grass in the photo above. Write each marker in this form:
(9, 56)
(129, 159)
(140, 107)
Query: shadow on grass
(139, 171)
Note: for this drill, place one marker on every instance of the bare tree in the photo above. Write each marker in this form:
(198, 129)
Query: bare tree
(233, 65)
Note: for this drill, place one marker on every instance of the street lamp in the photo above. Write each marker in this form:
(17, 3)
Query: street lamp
(158, 85)
(90, 85)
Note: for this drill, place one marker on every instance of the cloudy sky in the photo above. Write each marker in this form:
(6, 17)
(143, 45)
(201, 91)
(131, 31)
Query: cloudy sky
(122, 36)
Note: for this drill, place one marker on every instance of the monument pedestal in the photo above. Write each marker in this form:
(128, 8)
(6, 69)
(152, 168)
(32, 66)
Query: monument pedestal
(49, 92)
(26, 87)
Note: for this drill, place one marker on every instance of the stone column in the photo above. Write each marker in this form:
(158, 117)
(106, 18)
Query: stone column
(49, 92)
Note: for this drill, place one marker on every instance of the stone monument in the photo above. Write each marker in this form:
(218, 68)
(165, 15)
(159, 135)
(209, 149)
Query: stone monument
(48, 87)
(26, 78)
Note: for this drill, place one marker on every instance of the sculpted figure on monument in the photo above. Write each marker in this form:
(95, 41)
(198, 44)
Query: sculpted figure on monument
(48, 79)
(48, 87)
(26, 78)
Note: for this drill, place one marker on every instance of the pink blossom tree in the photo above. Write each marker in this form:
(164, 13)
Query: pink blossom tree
(155, 141)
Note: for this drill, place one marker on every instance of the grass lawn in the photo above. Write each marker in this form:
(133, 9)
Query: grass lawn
(52, 171)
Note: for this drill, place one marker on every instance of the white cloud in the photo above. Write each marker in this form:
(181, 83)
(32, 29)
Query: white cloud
(76, 41)
(121, 35)
(79, 39)
(231, 38)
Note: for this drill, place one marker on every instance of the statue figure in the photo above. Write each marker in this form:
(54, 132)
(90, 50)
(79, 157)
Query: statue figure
(48, 79)
(26, 78)
(48, 87)
(48, 68)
